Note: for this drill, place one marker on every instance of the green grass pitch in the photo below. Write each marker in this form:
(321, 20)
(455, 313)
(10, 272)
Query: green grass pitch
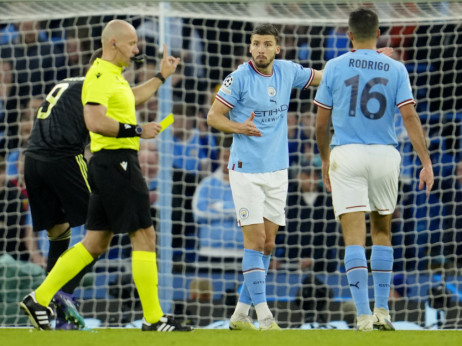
(214, 337)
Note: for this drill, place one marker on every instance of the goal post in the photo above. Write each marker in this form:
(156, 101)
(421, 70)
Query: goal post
(198, 243)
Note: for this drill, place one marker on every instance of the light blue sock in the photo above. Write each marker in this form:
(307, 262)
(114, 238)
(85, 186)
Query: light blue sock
(381, 267)
(357, 274)
(244, 297)
(266, 262)
(254, 276)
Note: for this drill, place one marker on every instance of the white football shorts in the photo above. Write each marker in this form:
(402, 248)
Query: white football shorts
(259, 195)
(364, 178)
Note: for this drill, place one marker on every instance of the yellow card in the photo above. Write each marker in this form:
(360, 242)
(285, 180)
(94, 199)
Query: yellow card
(166, 122)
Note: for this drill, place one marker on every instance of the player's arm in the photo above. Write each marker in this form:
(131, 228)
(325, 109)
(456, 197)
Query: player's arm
(317, 77)
(217, 119)
(414, 129)
(323, 141)
(168, 66)
(98, 122)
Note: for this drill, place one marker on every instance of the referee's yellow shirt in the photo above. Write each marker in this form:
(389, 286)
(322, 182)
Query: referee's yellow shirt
(105, 85)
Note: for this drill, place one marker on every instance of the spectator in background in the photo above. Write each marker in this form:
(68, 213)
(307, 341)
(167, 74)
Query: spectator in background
(452, 199)
(198, 308)
(200, 302)
(149, 162)
(400, 287)
(74, 55)
(148, 111)
(27, 117)
(400, 37)
(186, 43)
(220, 238)
(337, 42)
(8, 107)
(37, 62)
(296, 137)
(309, 239)
(16, 236)
(310, 148)
(192, 152)
(31, 238)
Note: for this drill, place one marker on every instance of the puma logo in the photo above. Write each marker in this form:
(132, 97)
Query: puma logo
(355, 285)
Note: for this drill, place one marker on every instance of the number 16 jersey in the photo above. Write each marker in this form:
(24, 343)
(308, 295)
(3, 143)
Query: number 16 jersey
(362, 88)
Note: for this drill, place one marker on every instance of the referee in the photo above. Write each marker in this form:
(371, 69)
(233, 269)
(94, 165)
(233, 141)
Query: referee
(119, 201)
(55, 173)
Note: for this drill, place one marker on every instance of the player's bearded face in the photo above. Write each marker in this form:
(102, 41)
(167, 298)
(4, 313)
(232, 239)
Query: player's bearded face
(263, 49)
(262, 61)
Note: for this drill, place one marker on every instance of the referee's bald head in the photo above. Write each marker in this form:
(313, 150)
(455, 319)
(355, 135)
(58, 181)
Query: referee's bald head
(115, 30)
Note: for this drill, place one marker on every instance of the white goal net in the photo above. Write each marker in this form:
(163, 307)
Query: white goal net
(199, 243)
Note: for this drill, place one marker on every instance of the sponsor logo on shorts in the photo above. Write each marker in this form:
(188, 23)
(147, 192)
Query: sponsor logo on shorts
(243, 213)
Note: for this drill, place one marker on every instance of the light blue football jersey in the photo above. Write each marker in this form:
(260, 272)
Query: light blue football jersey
(362, 88)
(247, 90)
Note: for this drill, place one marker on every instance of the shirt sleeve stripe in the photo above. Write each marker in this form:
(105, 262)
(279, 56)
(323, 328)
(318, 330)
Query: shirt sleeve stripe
(226, 103)
(322, 105)
(407, 102)
(309, 80)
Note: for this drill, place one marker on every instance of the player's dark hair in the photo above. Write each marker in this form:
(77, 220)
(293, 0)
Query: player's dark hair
(96, 54)
(363, 23)
(266, 29)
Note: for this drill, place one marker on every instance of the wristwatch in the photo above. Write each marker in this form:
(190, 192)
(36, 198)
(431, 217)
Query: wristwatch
(138, 130)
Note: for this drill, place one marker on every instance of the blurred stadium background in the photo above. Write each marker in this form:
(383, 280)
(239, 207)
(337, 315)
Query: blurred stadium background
(42, 42)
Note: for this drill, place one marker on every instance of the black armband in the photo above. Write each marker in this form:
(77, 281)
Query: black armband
(159, 76)
(128, 130)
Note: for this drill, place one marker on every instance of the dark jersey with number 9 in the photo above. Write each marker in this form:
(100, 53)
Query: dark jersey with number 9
(59, 128)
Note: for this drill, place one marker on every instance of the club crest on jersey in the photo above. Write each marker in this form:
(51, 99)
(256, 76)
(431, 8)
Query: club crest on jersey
(228, 81)
(271, 91)
(243, 213)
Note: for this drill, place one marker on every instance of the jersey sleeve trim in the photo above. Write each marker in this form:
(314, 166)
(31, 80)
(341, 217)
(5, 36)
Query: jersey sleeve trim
(226, 103)
(309, 80)
(406, 102)
(322, 105)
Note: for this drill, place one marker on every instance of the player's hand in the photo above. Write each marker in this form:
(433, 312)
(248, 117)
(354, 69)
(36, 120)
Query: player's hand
(151, 130)
(388, 51)
(249, 127)
(426, 178)
(168, 64)
(38, 259)
(325, 175)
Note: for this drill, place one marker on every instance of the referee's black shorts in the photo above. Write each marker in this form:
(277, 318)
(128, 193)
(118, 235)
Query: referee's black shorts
(58, 191)
(119, 201)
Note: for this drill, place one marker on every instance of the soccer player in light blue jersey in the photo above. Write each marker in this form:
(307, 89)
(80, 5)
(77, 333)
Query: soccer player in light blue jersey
(358, 93)
(257, 96)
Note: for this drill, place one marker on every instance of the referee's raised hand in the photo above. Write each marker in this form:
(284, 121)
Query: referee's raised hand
(168, 64)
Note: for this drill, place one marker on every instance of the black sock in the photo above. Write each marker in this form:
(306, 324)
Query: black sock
(57, 246)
